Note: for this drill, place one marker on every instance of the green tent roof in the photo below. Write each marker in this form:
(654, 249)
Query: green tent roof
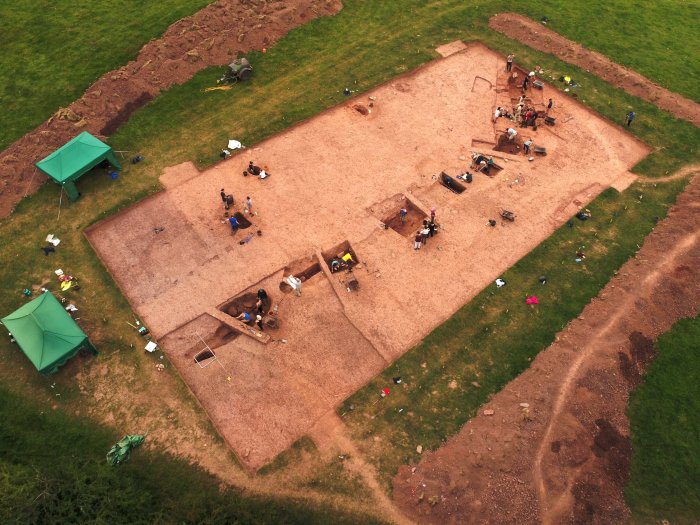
(76, 158)
(46, 333)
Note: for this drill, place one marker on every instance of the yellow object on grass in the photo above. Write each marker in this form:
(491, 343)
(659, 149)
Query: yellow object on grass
(217, 88)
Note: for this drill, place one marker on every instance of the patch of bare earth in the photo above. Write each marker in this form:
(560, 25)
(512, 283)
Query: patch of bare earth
(553, 446)
(213, 36)
(330, 340)
(537, 36)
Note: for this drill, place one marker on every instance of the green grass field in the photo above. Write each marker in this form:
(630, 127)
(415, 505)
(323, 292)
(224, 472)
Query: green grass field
(665, 427)
(52, 53)
(494, 337)
(491, 339)
(53, 471)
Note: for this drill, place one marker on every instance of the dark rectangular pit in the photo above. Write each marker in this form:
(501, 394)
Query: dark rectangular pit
(507, 146)
(303, 269)
(451, 183)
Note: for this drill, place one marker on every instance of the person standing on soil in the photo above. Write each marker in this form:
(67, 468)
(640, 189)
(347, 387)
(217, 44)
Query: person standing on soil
(295, 283)
(526, 81)
(527, 145)
(259, 322)
(432, 214)
(518, 113)
(417, 241)
(630, 118)
(403, 213)
(425, 232)
(509, 63)
(234, 224)
(227, 199)
(549, 106)
(431, 228)
(511, 133)
(248, 205)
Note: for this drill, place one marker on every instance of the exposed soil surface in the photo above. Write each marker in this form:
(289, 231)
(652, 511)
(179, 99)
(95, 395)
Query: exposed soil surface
(330, 341)
(554, 445)
(213, 36)
(408, 225)
(536, 35)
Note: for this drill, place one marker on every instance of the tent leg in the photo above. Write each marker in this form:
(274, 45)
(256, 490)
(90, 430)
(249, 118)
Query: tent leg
(71, 190)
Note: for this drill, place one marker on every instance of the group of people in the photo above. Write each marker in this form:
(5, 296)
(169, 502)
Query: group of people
(428, 230)
(261, 305)
(229, 202)
(481, 163)
(255, 170)
(522, 114)
(341, 263)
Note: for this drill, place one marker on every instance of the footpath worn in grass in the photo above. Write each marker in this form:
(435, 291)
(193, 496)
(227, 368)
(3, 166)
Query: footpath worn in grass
(366, 44)
(665, 427)
(57, 473)
(51, 53)
(493, 338)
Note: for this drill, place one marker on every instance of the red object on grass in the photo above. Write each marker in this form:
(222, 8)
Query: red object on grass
(386, 391)
(531, 299)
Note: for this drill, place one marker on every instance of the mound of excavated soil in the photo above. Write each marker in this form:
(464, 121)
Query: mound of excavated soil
(556, 447)
(539, 37)
(213, 36)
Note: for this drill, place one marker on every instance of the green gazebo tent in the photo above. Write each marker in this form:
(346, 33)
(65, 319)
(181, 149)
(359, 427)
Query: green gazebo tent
(46, 333)
(74, 159)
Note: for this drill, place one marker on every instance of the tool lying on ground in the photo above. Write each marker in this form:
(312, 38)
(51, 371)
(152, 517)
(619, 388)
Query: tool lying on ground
(508, 215)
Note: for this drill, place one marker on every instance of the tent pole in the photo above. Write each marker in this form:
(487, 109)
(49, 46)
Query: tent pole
(60, 200)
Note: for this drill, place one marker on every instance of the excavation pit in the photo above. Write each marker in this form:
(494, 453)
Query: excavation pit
(407, 225)
(451, 183)
(303, 269)
(337, 253)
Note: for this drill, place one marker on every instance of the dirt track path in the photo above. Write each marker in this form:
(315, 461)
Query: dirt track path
(554, 505)
(539, 37)
(681, 173)
(330, 433)
(564, 457)
(209, 37)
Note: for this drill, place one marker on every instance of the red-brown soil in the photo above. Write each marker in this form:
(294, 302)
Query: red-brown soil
(556, 447)
(536, 35)
(213, 36)
(337, 340)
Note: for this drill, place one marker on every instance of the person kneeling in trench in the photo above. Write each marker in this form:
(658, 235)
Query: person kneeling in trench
(244, 317)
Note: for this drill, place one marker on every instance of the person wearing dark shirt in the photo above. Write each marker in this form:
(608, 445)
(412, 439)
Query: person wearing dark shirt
(253, 169)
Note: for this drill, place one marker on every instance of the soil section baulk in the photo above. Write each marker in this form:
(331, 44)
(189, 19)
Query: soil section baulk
(564, 458)
(332, 181)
